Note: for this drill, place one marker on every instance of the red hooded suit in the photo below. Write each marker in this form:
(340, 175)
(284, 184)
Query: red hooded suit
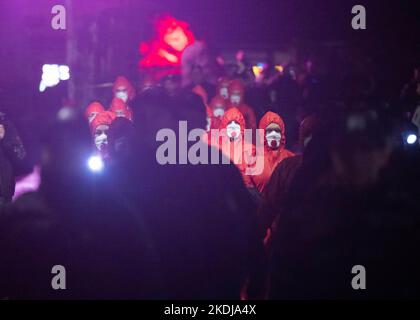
(239, 151)
(103, 118)
(272, 157)
(120, 109)
(217, 103)
(223, 87)
(93, 110)
(122, 82)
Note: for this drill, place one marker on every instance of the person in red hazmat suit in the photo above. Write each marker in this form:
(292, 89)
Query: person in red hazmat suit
(235, 145)
(218, 108)
(276, 191)
(120, 109)
(236, 99)
(93, 110)
(99, 128)
(123, 90)
(223, 87)
(274, 147)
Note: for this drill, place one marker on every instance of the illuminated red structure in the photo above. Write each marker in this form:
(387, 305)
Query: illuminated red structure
(172, 37)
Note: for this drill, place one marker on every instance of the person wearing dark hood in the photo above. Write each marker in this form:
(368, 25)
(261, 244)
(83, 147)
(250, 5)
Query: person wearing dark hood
(205, 249)
(12, 158)
(120, 138)
(171, 84)
(79, 220)
(339, 215)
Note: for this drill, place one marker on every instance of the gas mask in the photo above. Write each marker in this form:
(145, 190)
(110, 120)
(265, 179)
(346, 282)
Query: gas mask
(101, 140)
(235, 99)
(218, 112)
(273, 139)
(122, 94)
(224, 93)
(233, 130)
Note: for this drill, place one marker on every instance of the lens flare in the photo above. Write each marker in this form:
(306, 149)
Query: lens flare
(411, 139)
(95, 163)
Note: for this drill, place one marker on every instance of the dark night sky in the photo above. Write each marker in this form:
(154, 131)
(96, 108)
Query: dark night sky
(264, 21)
(392, 26)
(281, 20)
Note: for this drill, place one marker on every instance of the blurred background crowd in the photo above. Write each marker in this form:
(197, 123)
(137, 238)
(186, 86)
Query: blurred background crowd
(80, 184)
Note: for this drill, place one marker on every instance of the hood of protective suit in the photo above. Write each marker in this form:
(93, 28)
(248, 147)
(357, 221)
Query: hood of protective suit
(122, 82)
(103, 118)
(237, 88)
(223, 87)
(272, 157)
(246, 150)
(120, 109)
(94, 107)
(267, 119)
(218, 104)
(233, 114)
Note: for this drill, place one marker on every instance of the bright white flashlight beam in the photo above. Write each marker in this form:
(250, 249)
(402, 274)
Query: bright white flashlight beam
(411, 138)
(95, 163)
(52, 74)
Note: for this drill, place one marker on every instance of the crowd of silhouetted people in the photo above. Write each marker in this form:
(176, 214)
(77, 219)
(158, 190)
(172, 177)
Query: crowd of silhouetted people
(338, 188)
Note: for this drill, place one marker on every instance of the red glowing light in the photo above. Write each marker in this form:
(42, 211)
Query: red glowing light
(172, 38)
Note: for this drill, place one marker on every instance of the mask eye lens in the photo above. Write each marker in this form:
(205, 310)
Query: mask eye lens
(99, 132)
(271, 130)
